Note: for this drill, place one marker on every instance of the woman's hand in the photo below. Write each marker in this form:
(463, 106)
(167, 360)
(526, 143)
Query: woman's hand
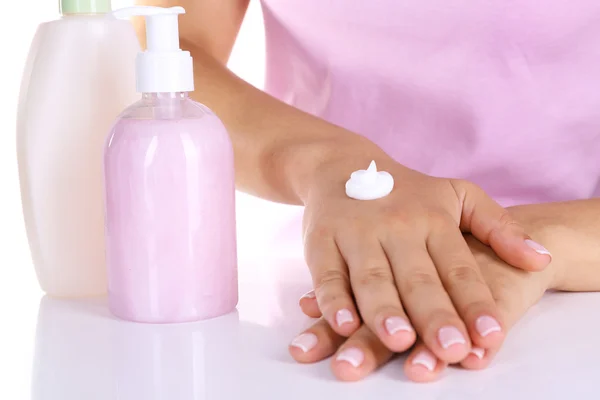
(514, 291)
(403, 258)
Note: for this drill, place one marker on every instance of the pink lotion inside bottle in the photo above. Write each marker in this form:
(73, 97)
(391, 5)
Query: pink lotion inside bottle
(170, 212)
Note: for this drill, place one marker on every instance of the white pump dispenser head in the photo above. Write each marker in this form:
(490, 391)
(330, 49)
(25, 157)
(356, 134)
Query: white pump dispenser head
(163, 67)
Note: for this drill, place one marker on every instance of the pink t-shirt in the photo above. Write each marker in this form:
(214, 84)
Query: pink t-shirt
(504, 93)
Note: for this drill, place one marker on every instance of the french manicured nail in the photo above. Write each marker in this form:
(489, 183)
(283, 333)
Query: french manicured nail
(449, 336)
(479, 352)
(537, 247)
(394, 325)
(486, 325)
(309, 295)
(343, 316)
(352, 356)
(305, 342)
(425, 359)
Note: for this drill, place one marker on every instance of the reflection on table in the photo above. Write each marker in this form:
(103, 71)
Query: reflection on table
(83, 353)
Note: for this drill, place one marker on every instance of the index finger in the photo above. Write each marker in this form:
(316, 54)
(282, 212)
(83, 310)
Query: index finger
(331, 283)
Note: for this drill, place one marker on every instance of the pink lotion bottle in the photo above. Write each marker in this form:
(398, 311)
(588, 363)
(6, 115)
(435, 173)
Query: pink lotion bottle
(170, 192)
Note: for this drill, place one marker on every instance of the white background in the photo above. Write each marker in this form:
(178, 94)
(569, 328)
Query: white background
(551, 354)
(19, 293)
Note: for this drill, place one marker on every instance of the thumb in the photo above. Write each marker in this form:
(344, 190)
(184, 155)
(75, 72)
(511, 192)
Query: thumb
(494, 226)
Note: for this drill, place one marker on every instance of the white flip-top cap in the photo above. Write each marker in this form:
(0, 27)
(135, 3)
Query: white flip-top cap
(163, 67)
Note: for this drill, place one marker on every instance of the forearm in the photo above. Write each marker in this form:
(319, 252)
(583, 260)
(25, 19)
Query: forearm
(277, 147)
(571, 231)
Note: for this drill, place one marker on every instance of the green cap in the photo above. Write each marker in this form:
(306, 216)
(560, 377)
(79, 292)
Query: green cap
(85, 6)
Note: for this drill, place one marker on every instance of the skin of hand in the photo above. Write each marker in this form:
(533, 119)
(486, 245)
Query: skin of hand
(514, 292)
(404, 258)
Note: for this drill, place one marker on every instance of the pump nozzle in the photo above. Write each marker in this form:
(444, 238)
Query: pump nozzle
(163, 67)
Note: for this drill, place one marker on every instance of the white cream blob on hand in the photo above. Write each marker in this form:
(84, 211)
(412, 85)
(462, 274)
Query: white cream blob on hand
(369, 184)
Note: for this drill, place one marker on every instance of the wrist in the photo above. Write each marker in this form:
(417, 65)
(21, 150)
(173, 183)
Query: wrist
(326, 162)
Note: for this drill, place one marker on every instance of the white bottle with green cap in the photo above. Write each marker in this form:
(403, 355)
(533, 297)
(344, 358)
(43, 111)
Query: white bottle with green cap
(79, 75)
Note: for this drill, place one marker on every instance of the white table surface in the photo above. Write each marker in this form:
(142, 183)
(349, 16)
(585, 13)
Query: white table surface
(75, 350)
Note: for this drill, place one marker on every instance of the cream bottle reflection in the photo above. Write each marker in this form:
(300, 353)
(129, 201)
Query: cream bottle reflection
(82, 352)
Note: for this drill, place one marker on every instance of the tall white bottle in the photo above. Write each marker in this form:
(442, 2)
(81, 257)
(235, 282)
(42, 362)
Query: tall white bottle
(79, 76)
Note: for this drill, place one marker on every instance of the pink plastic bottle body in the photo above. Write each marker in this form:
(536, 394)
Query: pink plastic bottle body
(170, 213)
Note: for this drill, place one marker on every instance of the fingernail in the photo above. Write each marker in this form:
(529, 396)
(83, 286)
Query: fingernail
(449, 336)
(486, 325)
(479, 352)
(394, 325)
(352, 356)
(305, 342)
(537, 247)
(425, 359)
(343, 316)
(309, 295)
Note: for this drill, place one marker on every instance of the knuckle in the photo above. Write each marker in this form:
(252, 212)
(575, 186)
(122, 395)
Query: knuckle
(506, 219)
(397, 215)
(397, 228)
(440, 220)
(470, 186)
(331, 287)
(319, 232)
(319, 245)
(462, 186)
(393, 218)
(460, 275)
(417, 280)
(331, 277)
(402, 223)
(406, 212)
(373, 276)
(506, 223)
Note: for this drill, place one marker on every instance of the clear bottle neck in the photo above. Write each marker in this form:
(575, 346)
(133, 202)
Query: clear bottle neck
(166, 105)
(158, 97)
